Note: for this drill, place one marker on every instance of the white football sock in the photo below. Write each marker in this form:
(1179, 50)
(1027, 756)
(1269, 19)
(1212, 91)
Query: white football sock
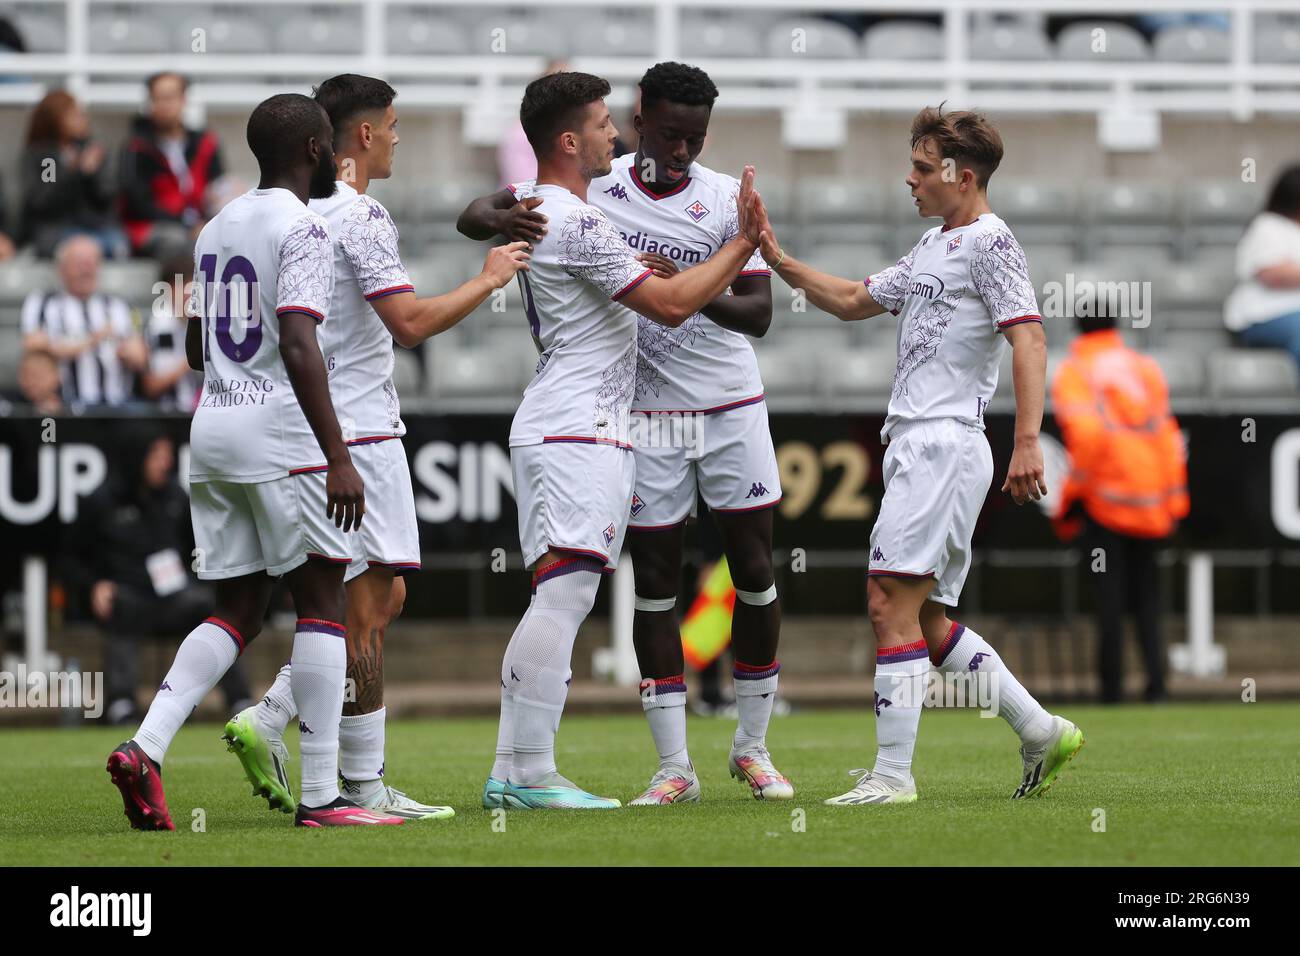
(536, 669)
(506, 726)
(755, 694)
(965, 652)
(201, 661)
(277, 708)
(899, 694)
(361, 751)
(505, 738)
(664, 702)
(320, 661)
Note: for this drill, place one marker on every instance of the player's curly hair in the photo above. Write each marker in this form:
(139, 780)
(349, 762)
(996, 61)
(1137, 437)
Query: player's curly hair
(677, 83)
(348, 95)
(967, 137)
(553, 104)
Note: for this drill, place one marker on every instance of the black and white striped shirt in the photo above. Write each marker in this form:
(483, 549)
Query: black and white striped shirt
(97, 376)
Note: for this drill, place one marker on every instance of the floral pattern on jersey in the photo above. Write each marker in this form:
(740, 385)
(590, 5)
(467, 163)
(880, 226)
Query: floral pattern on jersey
(614, 397)
(306, 277)
(591, 249)
(889, 286)
(655, 345)
(1000, 274)
(368, 238)
(921, 340)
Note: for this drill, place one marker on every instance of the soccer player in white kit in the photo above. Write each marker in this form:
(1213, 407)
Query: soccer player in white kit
(960, 292)
(272, 487)
(373, 303)
(700, 380)
(570, 450)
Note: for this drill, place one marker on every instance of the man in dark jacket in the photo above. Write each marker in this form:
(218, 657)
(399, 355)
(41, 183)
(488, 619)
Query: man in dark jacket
(166, 170)
(131, 550)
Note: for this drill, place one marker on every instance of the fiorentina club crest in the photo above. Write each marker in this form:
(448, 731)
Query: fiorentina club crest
(697, 210)
(609, 535)
(953, 245)
(637, 505)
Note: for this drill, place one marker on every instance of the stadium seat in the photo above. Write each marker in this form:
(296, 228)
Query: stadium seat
(1184, 372)
(787, 372)
(20, 277)
(433, 276)
(229, 29)
(126, 31)
(860, 372)
(406, 373)
(1215, 212)
(836, 209)
(417, 31)
(1276, 41)
(1121, 42)
(1198, 287)
(903, 40)
(628, 33)
(1248, 373)
(316, 32)
(132, 280)
(848, 260)
(475, 372)
(811, 37)
(1192, 341)
(1132, 212)
(1010, 41)
(1191, 44)
(523, 36)
(705, 37)
(42, 30)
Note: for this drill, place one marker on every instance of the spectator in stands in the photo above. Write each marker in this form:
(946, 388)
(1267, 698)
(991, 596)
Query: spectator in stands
(38, 382)
(92, 335)
(166, 172)
(168, 378)
(130, 554)
(65, 182)
(1264, 309)
(1127, 484)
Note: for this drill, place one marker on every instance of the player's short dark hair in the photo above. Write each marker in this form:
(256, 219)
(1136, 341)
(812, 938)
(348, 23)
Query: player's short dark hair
(348, 95)
(553, 104)
(677, 83)
(278, 128)
(1284, 197)
(163, 74)
(967, 137)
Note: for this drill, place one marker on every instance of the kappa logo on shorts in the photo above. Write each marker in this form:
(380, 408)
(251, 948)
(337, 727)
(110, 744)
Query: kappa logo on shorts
(697, 210)
(303, 728)
(882, 702)
(164, 686)
(637, 505)
(609, 535)
(877, 554)
(757, 490)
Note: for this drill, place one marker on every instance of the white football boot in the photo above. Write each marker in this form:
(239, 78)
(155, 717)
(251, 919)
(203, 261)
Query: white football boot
(670, 784)
(871, 789)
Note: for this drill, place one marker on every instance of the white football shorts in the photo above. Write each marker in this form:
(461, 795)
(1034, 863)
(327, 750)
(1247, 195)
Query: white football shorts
(937, 475)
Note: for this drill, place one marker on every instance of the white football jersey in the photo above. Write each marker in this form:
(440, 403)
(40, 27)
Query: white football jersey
(955, 291)
(264, 254)
(358, 347)
(698, 366)
(586, 374)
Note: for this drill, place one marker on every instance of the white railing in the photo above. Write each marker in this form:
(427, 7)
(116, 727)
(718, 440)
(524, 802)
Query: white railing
(1240, 87)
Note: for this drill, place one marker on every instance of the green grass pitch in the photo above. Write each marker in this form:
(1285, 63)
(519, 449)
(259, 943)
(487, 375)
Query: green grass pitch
(1208, 784)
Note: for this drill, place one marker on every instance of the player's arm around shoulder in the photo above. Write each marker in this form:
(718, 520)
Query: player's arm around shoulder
(509, 212)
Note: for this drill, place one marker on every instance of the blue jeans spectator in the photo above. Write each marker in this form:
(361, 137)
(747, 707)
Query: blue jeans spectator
(1280, 333)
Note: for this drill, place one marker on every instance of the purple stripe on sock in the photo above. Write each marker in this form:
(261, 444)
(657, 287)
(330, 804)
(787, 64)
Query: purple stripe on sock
(950, 642)
(903, 652)
(763, 674)
(317, 626)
